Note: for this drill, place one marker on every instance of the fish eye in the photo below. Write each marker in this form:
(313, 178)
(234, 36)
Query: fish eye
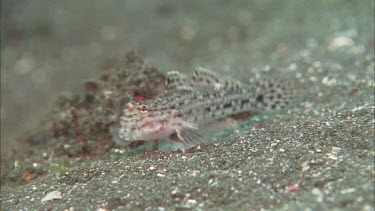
(143, 108)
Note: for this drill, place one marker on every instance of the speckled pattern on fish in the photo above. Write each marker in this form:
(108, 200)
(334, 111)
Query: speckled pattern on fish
(190, 104)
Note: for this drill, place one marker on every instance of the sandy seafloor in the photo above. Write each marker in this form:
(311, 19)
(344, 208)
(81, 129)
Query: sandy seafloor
(317, 156)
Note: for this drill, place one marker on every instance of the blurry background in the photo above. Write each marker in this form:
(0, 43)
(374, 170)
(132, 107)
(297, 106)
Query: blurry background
(52, 46)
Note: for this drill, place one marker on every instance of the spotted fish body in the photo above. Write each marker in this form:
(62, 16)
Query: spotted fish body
(191, 104)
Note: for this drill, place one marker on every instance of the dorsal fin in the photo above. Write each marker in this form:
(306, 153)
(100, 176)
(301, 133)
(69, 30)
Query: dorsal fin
(177, 83)
(277, 94)
(204, 78)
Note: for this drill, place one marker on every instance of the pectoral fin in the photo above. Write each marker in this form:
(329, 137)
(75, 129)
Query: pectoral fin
(191, 137)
